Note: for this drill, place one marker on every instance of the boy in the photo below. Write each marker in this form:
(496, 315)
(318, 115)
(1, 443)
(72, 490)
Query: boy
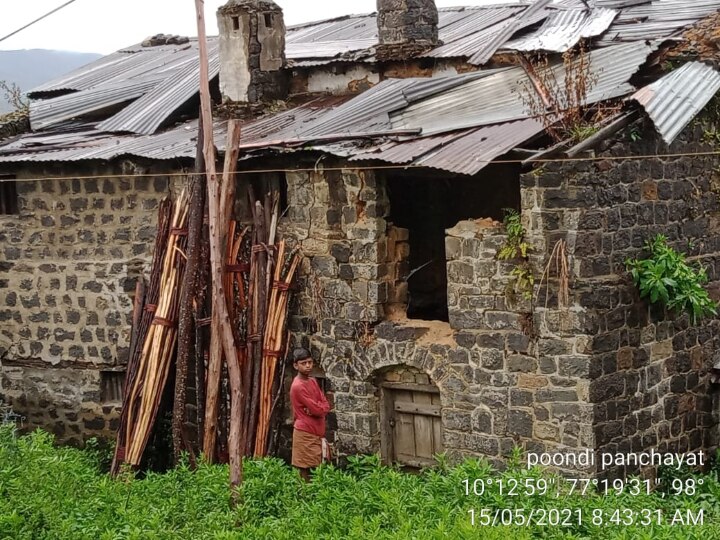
(309, 407)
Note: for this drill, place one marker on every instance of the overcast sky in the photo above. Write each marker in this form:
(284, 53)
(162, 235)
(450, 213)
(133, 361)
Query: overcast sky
(103, 26)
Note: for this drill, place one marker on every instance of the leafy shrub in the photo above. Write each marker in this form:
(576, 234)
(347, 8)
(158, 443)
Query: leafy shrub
(666, 278)
(60, 493)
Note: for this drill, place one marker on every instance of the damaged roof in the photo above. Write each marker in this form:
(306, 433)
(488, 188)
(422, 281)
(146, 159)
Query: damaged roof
(123, 104)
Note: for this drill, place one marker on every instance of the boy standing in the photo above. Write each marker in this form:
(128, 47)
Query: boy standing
(309, 407)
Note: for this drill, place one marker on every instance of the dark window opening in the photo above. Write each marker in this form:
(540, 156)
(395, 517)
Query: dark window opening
(426, 205)
(236, 23)
(268, 20)
(111, 386)
(8, 196)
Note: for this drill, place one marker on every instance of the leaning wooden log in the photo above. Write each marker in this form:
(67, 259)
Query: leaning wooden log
(188, 294)
(257, 320)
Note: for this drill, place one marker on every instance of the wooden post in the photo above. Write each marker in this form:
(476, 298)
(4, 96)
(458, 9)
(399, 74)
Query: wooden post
(220, 315)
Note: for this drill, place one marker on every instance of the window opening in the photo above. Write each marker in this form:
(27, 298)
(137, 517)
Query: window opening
(8, 196)
(236, 23)
(426, 205)
(268, 20)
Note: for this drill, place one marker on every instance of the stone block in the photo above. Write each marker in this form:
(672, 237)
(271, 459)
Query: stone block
(526, 380)
(520, 423)
(518, 363)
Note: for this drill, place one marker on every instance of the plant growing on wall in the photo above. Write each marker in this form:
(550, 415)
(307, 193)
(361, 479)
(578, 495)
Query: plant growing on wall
(556, 91)
(667, 279)
(516, 247)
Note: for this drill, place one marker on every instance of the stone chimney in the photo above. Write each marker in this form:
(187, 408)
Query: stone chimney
(252, 51)
(406, 28)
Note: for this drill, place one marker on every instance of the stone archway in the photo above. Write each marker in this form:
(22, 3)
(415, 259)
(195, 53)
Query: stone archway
(410, 417)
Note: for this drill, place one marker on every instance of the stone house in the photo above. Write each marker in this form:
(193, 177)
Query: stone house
(398, 141)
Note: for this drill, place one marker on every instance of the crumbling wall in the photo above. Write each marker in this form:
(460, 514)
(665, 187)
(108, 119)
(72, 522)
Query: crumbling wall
(68, 267)
(501, 384)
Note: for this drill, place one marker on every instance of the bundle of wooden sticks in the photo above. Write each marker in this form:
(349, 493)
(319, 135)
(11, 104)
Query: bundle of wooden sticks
(170, 329)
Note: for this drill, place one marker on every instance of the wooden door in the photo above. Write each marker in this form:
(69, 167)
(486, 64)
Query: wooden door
(412, 433)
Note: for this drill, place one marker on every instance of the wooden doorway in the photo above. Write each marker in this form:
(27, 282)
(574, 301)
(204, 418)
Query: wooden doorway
(412, 425)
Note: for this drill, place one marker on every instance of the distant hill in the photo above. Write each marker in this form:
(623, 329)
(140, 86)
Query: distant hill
(33, 67)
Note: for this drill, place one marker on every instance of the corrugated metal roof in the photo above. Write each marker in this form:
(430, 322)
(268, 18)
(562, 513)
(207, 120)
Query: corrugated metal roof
(473, 152)
(563, 30)
(49, 112)
(505, 30)
(465, 120)
(500, 96)
(118, 78)
(464, 152)
(660, 18)
(673, 101)
(370, 110)
(148, 113)
(463, 35)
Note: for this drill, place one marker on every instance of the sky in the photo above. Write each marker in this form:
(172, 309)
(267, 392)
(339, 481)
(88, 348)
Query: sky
(104, 26)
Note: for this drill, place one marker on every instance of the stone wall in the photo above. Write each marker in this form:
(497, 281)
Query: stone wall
(406, 28)
(68, 267)
(502, 383)
(603, 372)
(649, 368)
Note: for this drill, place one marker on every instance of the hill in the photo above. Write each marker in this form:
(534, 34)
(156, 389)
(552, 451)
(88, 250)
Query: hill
(30, 68)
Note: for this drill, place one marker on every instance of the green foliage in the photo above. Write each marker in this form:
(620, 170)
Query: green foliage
(581, 131)
(60, 494)
(666, 278)
(516, 247)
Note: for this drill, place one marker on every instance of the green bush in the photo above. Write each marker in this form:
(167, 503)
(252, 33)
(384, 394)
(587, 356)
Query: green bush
(666, 278)
(61, 493)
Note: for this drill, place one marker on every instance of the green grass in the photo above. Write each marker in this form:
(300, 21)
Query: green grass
(60, 493)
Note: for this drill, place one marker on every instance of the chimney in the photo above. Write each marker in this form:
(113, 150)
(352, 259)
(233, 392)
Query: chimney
(252, 51)
(406, 28)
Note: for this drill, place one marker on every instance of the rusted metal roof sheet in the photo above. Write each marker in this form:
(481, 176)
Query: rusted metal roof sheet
(563, 30)
(503, 96)
(673, 101)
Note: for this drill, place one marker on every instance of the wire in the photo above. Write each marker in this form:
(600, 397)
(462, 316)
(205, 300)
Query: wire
(28, 25)
(373, 167)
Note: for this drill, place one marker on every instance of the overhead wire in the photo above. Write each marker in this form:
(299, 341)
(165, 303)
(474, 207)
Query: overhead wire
(28, 25)
(527, 161)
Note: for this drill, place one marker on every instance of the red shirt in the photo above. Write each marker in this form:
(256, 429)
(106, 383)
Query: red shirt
(309, 406)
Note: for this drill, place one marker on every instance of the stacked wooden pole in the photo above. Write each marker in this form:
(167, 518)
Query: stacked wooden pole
(161, 341)
(145, 301)
(249, 276)
(275, 330)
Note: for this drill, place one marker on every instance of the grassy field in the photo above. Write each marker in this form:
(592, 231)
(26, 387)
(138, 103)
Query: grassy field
(61, 493)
